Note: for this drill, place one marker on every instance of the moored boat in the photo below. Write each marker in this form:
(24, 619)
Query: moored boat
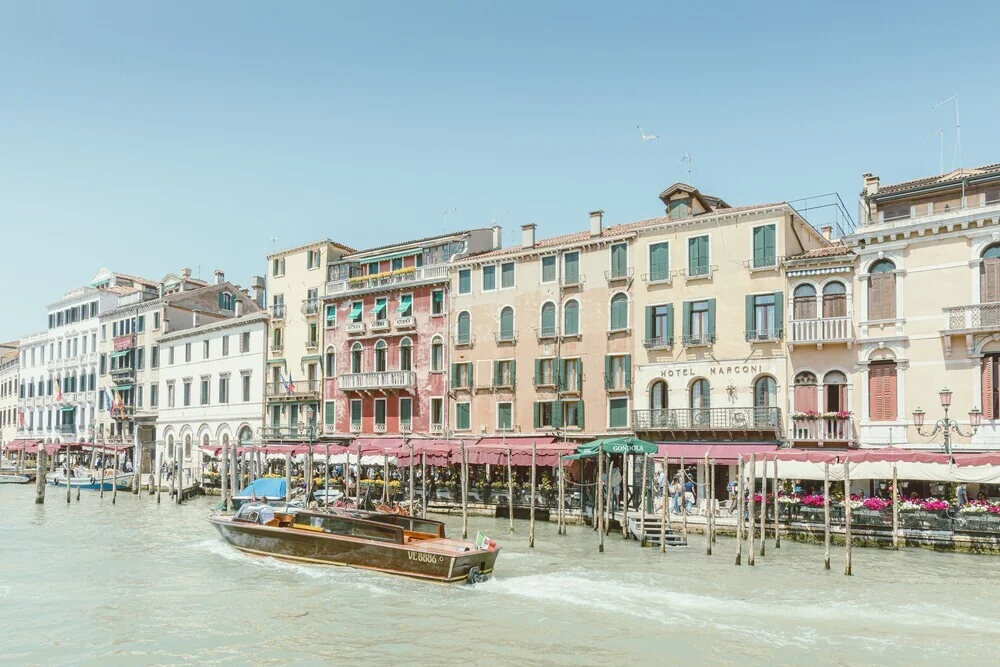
(391, 543)
(90, 480)
(271, 489)
(14, 478)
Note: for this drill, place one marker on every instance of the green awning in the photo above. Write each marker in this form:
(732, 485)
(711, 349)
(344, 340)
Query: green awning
(312, 357)
(119, 353)
(623, 445)
(123, 387)
(356, 311)
(405, 303)
(379, 307)
(68, 408)
(279, 360)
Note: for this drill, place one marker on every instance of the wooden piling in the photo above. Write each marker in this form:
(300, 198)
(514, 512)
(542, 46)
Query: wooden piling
(180, 478)
(608, 496)
(895, 509)
(40, 476)
(510, 491)
(560, 517)
(423, 484)
(752, 528)
(847, 518)
(708, 508)
(531, 511)
(740, 486)
(234, 481)
(69, 473)
(159, 473)
(288, 476)
(684, 507)
(465, 494)
(326, 475)
(413, 482)
(664, 495)
(777, 526)
(715, 500)
(136, 460)
(223, 474)
(626, 459)
(102, 469)
(826, 516)
(385, 479)
(763, 508)
(642, 500)
(357, 481)
(310, 472)
(599, 499)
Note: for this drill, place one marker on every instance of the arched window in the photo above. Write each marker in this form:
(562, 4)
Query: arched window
(700, 402)
(882, 291)
(246, 435)
(835, 390)
(882, 391)
(380, 354)
(804, 307)
(571, 318)
(834, 299)
(464, 332)
(658, 403)
(548, 321)
(437, 354)
(204, 440)
(989, 275)
(356, 356)
(804, 396)
(765, 401)
(170, 446)
(331, 362)
(406, 355)
(507, 323)
(619, 312)
(225, 442)
(187, 446)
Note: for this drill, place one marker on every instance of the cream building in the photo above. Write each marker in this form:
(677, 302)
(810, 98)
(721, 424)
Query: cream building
(294, 389)
(928, 302)
(8, 392)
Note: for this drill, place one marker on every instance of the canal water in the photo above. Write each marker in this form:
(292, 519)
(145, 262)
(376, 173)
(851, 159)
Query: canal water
(142, 583)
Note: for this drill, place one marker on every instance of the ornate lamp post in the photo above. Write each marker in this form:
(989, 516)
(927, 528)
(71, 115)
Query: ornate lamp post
(947, 425)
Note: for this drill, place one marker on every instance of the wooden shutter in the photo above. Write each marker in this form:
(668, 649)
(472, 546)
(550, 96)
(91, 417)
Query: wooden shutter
(538, 371)
(469, 366)
(627, 363)
(834, 305)
(882, 391)
(711, 320)
(579, 414)
(882, 296)
(749, 328)
(779, 313)
(805, 397)
(805, 308)
(538, 416)
(454, 375)
(843, 398)
(758, 245)
(513, 373)
(579, 374)
(875, 296)
(988, 384)
(989, 280)
(668, 326)
(875, 392)
(686, 324)
(496, 373)
(557, 414)
(889, 297)
(650, 324)
(607, 372)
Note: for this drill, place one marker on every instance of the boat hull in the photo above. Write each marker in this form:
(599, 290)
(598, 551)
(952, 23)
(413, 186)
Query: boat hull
(88, 484)
(14, 479)
(312, 547)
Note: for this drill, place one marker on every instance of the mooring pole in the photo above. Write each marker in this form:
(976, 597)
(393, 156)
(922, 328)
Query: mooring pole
(684, 507)
(223, 472)
(663, 507)
(599, 499)
(752, 528)
(413, 482)
(826, 516)
(40, 476)
(740, 487)
(102, 470)
(763, 508)
(510, 490)
(777, 526)
(847, 517)
(531, 516)
(423, 484)
(465, 494)
(708, 508)
(895, 509)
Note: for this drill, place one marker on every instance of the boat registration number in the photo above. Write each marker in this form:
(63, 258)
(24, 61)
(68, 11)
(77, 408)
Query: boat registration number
(423, 558)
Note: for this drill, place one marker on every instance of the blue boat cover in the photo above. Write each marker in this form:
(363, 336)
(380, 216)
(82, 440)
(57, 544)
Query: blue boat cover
(272, 487)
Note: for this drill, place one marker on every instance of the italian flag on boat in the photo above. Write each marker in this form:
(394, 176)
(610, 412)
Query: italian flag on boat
(483, 542)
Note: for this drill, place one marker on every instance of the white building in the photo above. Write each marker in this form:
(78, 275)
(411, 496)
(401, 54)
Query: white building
(9, 364)
(212, 378)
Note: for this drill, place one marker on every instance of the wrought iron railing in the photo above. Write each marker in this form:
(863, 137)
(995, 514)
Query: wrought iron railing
(293, 388)
(377, 380)
(707, 418)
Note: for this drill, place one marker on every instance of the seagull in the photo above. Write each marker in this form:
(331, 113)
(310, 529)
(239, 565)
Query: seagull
(646, 137)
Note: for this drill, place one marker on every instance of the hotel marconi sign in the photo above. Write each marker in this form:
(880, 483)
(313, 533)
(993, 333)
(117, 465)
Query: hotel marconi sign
(709, 369)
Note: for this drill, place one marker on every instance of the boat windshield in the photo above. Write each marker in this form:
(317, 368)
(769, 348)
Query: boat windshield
(257, 513)
(350, 527)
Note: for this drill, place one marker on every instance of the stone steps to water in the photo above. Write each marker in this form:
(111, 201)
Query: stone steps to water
(652, 532)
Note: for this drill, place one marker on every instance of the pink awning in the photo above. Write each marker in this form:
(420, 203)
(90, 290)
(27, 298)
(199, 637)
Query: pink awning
(376, 446)
(887, 455)
(54, 447)
(724, 453)
(111, 447)
(493, 451)
(29, 446)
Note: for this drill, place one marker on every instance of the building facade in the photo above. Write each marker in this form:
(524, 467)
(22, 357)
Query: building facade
(214, 395)
(9, 365)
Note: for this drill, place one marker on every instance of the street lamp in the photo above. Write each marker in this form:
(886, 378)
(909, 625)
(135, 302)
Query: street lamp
(947, 425)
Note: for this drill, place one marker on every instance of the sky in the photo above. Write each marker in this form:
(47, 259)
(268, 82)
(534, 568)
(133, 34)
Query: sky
(150, 136)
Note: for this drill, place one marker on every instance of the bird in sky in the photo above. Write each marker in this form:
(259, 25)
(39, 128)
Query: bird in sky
(646, 137)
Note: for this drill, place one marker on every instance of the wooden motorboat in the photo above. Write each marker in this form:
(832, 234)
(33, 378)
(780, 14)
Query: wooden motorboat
(90, 480)
(391, 543)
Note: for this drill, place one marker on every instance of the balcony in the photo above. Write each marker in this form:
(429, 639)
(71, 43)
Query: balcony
(505, 336)
(707, 419)
(467, 340)
(658, 343)
(969, 320)
(661, 278)
(822, 431)
(819, 331)
(547, 333)
(699, 340)
(572, 281)
(66, 429)
(312, 345)
(437, 428)
(408, 277)
(355, 427)
(355, 328)
(122, 374)
(619, 275)
(380, 325)
(407, 322)
(277, 311)
(303, 388)
(698, 272)
(766, 263)
(329, 429)
(377, 381)
(379, 428)
(300, 430)
(763, 335)
(310, 307)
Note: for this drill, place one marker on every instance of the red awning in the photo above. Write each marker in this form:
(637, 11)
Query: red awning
(30, 446)
(887, 455)
(111, 447)
(435, 452)
(520, 440)
(493, 451)
(724, 453)
(54, 447)
(376, 446)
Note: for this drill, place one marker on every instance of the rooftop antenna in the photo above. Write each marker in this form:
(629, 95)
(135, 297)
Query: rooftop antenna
(686, 158)
(958, 130)
(940, 134)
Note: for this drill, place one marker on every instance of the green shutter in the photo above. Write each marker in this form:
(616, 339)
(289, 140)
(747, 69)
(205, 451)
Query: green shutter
(556, 372)
(579, 374)
(454, 375)
(749, 312)
(758, 246)
(513, 373)
(557, 414)
(686, 324)
(779, 313)
(330, 412)
(770, 246)
(650, 328)
(711, 320)
(627, 362)
(538, 371)
(469, 366)
(538, 418)
(659, 265)
(607, 371)
(496, 373)
(562, 375)
(220, 300)
(668, 332)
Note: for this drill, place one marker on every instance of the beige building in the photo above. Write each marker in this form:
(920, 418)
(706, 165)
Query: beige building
(8, 392)
(294, 386)
(928, 302)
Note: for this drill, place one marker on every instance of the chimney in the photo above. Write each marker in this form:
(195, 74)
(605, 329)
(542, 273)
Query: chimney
(827, 232)
(596, 223)
(194, 318)
(871, 184)
(185, 273)
(238, 308)
(528, 235)
(497, 236)
(258, 284)
(220, 277)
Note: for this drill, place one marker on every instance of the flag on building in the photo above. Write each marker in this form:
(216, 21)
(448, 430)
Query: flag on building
(291, 383)
(20, 417)
(483, 542)
(58, 391)
(107, 400)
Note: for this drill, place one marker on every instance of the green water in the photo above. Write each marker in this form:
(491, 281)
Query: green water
(138, 583)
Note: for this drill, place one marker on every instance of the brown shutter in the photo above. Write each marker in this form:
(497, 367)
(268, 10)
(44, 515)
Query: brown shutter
(805, 308)
(888, 296)
(874, 393)
(835, 305)
(882, 391)
(988, 388)
(889, 402)
(843, 398)
(989, 280)
(875, 296)
(805, 397)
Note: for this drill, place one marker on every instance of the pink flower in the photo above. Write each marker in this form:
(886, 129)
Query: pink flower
(876, 504)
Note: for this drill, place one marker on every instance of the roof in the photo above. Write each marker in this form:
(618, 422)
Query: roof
(11, 343)
(142, 281)
(957, 175)
(311, 244)
(414, 241)
(828, 251)
(120, 290)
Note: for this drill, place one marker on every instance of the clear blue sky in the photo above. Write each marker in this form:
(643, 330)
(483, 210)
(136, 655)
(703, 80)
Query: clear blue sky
(150, 136)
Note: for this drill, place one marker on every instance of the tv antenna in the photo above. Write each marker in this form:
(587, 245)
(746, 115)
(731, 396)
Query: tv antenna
(940, 134)
(686, 159)
(958, 130)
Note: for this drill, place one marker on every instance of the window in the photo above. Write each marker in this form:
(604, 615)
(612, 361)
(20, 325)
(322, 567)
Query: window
(571, 375)
(170, 355)
(835, 392)
(276, 339)
(571, 268)
(396, 264)
(489, 277)
(700, 399)
(329, 413)
(331, 363)
(379, 311)
(549, 269)
(765, 401)
(355, 414)
(763, 316)
(834, 300)
(895, 212)
(659, 261)
(699, 322)
(804, 395)
(406, 355)
(548, 321)
(882, 391)
(764, 247)
(618, 413)
(437, 354)
(573, 413)
(405, 414)
(140, 358)
(465, 281)
(548, 414)
(357, 309)
(245, 377)
(331, 315)
(991, 386)
(463, 416)
(356, 357)
(503, 373)
(313, 339)
(506, 324)
(380, 413)
(619, 312)
(170, 394)
(437, 302)
(380, 356)
(223, 389)
(505, 416)
(187, 393)
(156, 321)
(698, 260)
(618, 372)
(658, 398)
(312, 259)
(405, 307)
(679, 208)
(437, 413)
(507, 275)
(989, 276)
(278, 266)
(244, 342)
(204, 350)
(154, 395)
(660, 325)
(187, 352)
(619, 260)
(571, 318)
(225, 346)
(461, 375)
(545, 372)
(103, 363)
(170, 446)
(464, 334)
(804, 302)
(882, 291)
(205, 388)
(275, 416)
(225, 301)
(154, 356)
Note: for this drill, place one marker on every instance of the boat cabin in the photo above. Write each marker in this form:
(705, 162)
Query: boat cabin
(391, 528)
